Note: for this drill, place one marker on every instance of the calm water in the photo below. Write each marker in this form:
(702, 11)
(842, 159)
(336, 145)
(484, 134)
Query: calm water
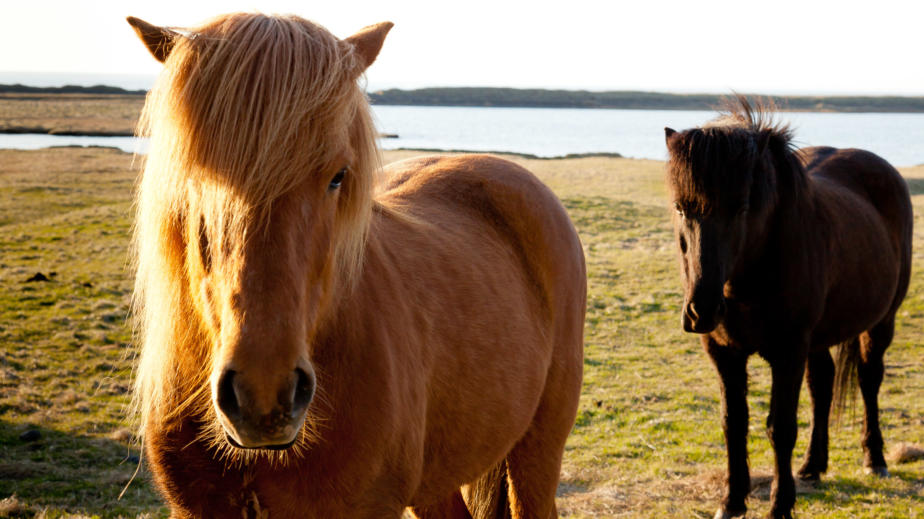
(34, 141)
(550, 132)
(633, 133)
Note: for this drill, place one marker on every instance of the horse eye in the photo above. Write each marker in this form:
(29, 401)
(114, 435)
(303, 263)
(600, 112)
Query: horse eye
(337, 180)
(743, 210)
(205, 254)
(678, 208)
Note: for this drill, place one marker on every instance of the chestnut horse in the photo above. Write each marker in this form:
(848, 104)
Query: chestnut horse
(317, 343)
(786, 253)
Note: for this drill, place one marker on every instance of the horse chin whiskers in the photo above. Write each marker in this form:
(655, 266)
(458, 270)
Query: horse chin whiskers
(280, 447)
(230, 452)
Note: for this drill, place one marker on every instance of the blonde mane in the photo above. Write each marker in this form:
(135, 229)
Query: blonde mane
(247, 106)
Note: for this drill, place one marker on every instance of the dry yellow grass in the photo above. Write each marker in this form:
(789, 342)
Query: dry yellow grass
(90, 114)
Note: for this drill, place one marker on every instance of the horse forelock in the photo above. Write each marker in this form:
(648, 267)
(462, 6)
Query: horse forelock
(255, 102)
(246, 108)
(734, 151)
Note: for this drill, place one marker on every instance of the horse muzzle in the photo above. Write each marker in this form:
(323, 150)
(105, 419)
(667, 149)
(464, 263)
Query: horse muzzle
(698, 317)
(254, 423)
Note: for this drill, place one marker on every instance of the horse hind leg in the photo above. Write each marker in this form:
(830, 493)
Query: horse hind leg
(487, 497)
(534, 467)
(534, 463)
(524, 483)
(820, 378)
(870, 372)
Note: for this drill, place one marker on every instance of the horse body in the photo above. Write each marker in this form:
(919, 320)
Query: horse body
(860, 291)
(434, 367)
(313, 349)
(786, 254)
(808, 275)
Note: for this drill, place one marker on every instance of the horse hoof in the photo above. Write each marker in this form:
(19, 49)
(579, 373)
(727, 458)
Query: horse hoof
(880, 471)
(809, 475)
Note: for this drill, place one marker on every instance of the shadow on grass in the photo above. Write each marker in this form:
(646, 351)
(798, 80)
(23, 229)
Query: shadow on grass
(61, 474)
(834, 493)
(843, 490)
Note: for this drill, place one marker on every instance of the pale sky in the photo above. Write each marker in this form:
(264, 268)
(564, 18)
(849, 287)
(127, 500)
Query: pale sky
(771, 46)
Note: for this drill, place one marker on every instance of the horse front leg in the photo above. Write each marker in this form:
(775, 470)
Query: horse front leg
(731, 364)
(787, 371)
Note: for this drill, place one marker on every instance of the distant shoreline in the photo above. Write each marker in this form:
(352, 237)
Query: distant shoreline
(540, 98)
(44, 130)
(68, 89)
(633, 100)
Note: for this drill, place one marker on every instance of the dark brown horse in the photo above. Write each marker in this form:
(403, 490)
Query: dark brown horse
(319, 344)
(786, 253)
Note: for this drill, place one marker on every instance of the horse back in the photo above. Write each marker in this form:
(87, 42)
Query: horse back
(871, 179)
(865, 217)
(483, 190)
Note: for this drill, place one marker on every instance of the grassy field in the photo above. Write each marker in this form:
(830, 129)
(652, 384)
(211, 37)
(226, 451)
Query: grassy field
(647, 442)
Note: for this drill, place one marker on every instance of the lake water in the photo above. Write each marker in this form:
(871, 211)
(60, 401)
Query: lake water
(550, 132)
(34, 141)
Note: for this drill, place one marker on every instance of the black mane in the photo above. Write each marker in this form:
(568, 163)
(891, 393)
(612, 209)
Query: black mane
(742, 149)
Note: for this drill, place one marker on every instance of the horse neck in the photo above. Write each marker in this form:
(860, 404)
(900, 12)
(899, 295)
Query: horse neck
(346, 300)
(795, 204)
(790, 206)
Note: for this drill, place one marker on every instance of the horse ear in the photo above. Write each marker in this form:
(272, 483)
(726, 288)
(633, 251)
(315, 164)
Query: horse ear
(670, 137)
(158, 40)
(368, 42)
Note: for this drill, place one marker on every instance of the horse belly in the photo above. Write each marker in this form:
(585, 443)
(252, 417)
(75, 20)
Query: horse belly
(863, 294)
(482, 410)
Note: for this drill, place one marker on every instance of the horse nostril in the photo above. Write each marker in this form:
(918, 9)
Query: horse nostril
(304, 390)
(227, 397)
(691, 311)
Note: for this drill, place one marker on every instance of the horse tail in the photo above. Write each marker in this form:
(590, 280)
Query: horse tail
(487, 498)
(845, 378)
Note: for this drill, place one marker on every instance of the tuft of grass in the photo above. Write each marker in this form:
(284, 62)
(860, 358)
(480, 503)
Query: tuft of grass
(647, 442)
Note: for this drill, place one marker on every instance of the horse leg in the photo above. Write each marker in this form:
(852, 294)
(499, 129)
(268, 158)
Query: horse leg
(453, 507)
(820, 375)
(488, 496)
(870, 372)
(731, 365)
(534, 463)
(786, 375)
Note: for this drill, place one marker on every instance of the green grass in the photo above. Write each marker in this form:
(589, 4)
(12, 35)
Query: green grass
(65, 354)
(647, 442)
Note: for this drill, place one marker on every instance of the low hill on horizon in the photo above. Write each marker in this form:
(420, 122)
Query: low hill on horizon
(542, 98)
(67, 89)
